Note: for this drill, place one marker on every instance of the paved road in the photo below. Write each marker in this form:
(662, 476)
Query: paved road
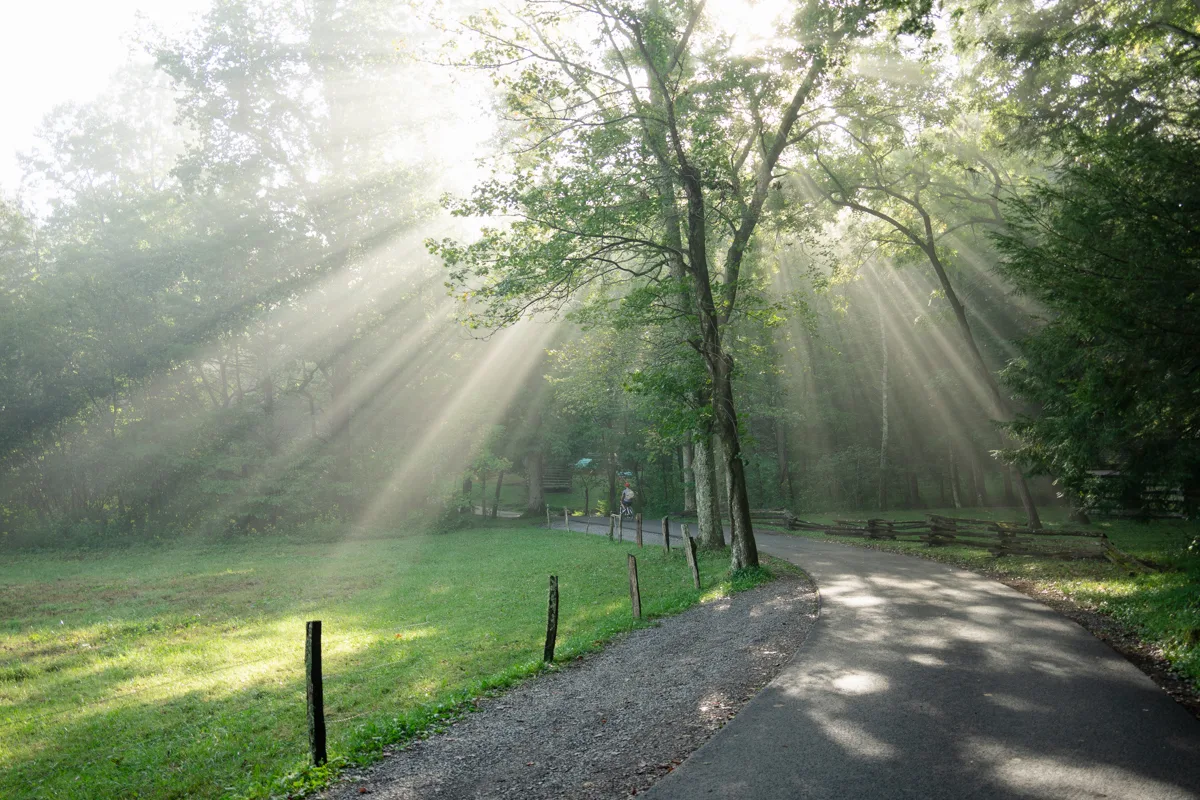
(924, 681)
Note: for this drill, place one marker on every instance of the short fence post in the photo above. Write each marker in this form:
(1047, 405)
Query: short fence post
(612, 527)
(567, 519)
(635, 594)
(638, 519)
(548, 525)
(315, 692)
(689, 549)
(666, 532)
(620, 527)
(551, 621)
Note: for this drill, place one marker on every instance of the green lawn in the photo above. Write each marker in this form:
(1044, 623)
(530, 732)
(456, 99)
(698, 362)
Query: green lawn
(1162, 607)
(177, 670)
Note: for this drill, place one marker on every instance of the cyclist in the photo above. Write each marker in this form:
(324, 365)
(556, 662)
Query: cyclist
(627, 497)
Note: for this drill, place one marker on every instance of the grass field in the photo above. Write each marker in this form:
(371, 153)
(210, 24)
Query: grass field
(1162, 607)
(177, 670)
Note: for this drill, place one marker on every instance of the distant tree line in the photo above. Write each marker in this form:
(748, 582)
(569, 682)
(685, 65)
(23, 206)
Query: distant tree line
(841, 270)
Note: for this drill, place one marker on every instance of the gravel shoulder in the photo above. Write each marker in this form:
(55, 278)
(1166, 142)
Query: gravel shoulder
(611, 724)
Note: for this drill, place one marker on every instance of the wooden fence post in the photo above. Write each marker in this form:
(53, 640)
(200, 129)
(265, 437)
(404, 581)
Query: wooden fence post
(689, 545)
(635, 594)
(551, 621)
(666, 532)
(612, 527)
(548, 525)
(620, 527)
(567, 519)
(315, 692)
(638, 534)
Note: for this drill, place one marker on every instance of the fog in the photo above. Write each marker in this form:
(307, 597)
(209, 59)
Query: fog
(270, 265)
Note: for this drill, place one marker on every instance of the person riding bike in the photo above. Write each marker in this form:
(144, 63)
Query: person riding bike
(627, 497)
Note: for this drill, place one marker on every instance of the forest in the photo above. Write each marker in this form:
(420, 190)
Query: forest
(343, 262)
(357, 316)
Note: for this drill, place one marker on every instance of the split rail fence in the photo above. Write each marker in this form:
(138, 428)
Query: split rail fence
(998, 538)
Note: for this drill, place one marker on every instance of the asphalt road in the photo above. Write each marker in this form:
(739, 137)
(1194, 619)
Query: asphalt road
(925, 681)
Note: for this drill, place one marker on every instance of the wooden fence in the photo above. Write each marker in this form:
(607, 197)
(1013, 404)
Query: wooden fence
(998, 538)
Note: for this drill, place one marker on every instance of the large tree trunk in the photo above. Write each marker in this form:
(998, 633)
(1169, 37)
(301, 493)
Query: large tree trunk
(721, 471)
(689, 482)
(744, 549)
(708, 511)
(536, 503)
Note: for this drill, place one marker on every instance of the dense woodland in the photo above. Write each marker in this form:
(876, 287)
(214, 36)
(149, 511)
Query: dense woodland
(872, 255)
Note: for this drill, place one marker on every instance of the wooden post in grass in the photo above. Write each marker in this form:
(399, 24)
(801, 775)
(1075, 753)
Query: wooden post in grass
(635, 594)
(620, 527)
(689, 549)
(567, 519)
(548, 525)
(315, 692)
(612, 527)
(638, 519)
(666, 532)
(551, 621)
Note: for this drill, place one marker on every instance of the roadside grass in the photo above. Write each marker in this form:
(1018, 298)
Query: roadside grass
(176, 670)
(1161, 608)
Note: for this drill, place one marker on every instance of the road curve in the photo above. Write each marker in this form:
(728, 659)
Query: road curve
(920, 680)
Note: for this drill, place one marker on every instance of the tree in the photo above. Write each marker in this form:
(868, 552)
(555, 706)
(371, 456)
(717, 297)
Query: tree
(1050, 71)
(1111, 249)
(909, 158)
(638, 156)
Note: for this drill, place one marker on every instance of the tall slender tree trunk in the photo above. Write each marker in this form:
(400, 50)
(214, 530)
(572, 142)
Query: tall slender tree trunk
(955, 489)
(708, 510)
(496, 499)
(612, 482)
(536, 502)
(883, 404)
(1010, 499)
(981, 495)
(689, 481)
(783, 463)
(914, 491)
(973, 493)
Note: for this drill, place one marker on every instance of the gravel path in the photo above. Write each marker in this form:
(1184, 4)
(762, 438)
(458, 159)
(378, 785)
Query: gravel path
(613, 723)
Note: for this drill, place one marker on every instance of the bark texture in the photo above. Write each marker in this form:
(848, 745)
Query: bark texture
(708, 512)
